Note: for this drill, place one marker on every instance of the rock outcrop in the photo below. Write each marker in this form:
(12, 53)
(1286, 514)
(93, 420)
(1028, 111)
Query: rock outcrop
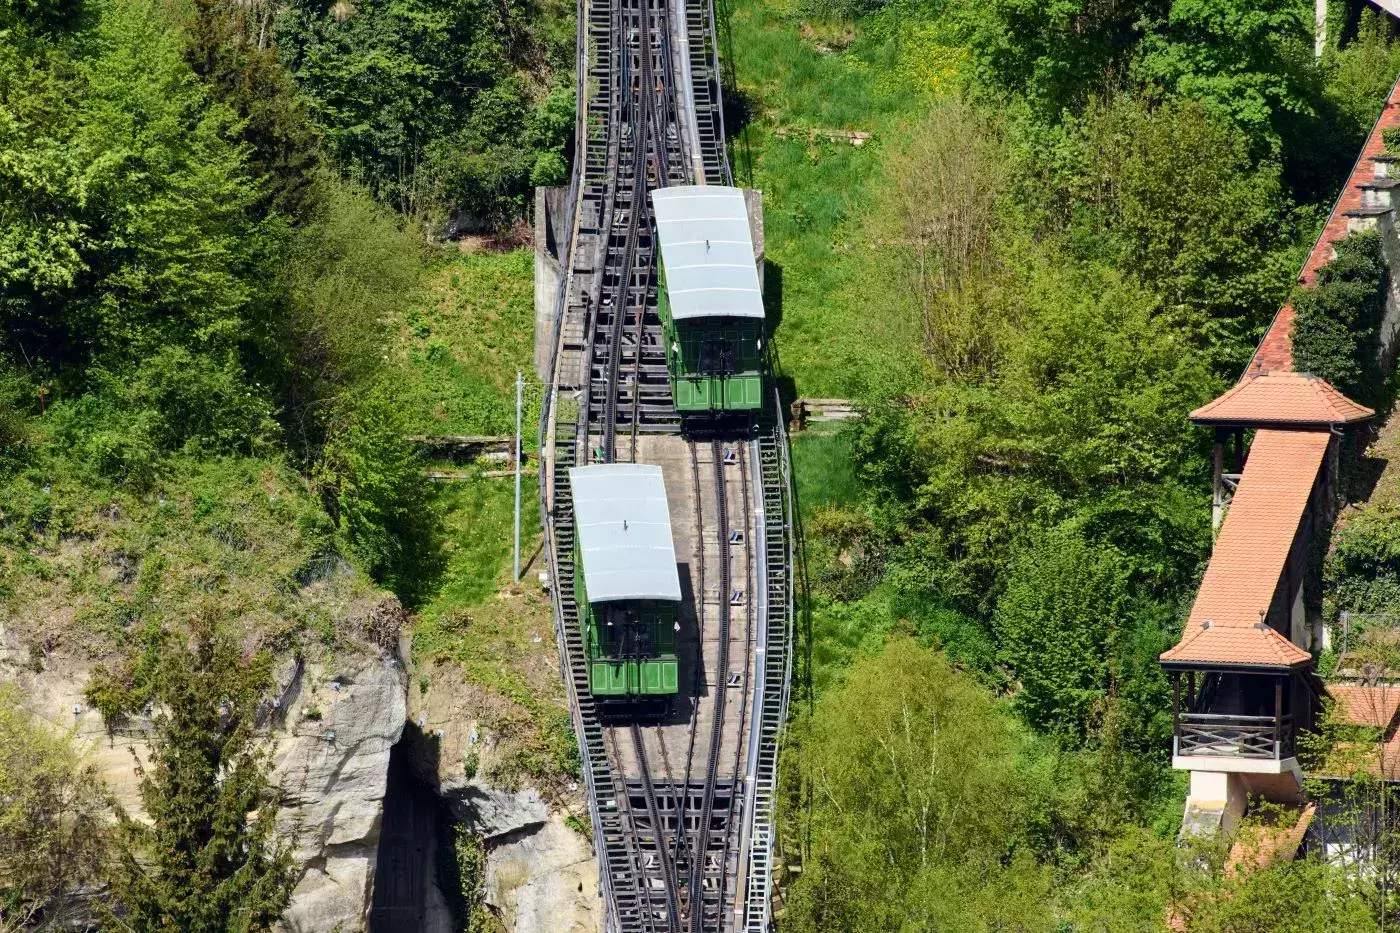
(544, 880)
(333, 721)
(333, 765)
(541, 876)
(331, 737)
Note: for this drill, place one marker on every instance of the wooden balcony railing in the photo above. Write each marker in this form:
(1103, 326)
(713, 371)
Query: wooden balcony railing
(1234, 736)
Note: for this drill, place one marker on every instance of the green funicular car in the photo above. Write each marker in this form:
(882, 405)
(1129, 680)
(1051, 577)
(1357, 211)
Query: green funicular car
(711, 301)
(626, 584)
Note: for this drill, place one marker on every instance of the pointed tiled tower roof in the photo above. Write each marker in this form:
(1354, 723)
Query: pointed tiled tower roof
(1282, 399)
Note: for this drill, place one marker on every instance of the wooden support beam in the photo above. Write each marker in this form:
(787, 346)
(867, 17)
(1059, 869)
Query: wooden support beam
(1217, 501)
(1176, 701)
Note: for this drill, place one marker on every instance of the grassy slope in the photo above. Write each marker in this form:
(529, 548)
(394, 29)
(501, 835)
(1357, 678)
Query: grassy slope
(86, 565)
(840, 330)
(462, 341)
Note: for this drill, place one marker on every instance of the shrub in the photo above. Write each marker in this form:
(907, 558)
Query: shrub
(1337, 321)
(51, 832)
(1056, 623)
(174, 400)
(209, 858)
(373, 482)
(1362, 571)
(14, 422)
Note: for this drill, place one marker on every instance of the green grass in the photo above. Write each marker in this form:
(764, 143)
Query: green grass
(477, 518)
(823, 468)
(497, 634)
(842, 328)
(463, 339)
(90, 564)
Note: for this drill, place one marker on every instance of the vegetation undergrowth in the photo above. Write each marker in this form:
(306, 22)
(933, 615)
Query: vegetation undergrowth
(222, 317)
(1066, 229)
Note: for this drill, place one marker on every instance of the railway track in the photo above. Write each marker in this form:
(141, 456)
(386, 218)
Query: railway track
(680, 848)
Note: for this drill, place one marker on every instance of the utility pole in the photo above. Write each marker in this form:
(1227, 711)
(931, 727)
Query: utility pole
(519, 397)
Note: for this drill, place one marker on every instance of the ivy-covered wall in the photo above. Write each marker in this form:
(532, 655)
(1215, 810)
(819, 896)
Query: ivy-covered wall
(1337, 323)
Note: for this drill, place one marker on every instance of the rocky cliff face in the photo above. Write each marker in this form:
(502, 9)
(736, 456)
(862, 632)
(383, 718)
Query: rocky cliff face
(336, 720)
(541, 876)
(333, 761)
(333, 768)
(544, 880)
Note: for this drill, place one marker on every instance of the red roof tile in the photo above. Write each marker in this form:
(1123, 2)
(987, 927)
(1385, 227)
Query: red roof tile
(1278, 837)
(1245, 568)
(1275, 351)
(1282, 399)
(1366, 706)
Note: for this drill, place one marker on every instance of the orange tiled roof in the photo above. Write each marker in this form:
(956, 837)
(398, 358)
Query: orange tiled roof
(1366, 706)
(1277, 839)
(1282, 398)
(1245, 568)
(1275, 351)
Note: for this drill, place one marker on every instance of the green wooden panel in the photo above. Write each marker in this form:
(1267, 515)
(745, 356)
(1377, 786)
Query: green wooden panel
(743, 392)
(692, 394)
(658, 678)
(609, 678)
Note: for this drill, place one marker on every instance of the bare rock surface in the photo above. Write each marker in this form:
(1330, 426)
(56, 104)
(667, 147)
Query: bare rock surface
(335, 786)
(333, 766)
(544, 880)
(541, 876)
(333, 724)
(491, 812)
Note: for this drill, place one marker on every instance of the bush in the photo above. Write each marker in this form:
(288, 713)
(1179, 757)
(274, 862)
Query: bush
(347, 269)
(1362, 571)
(1057, 624)
(52, 839)
(175, 400)
(15, 393)
(1337, 321)
(209, 858)
(372, 478)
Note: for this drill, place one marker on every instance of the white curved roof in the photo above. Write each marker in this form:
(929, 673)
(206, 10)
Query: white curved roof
(624, 532)
(707, 250)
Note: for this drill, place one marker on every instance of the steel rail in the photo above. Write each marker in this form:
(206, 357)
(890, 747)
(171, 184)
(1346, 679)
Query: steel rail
(630, 137)
(721, 675)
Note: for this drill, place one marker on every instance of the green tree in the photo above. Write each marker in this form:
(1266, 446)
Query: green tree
(1205, 226)
(226, 46)
(210, 857)
(52, 833)
(372, 478)
(432, 104)
(1251, 61)
(1058, 624)
(123, 223)
(915, 809)
(1055, 54)
(1336, 322)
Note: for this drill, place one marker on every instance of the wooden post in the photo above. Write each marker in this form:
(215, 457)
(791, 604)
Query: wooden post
(1191, 691)
(1278, 718)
